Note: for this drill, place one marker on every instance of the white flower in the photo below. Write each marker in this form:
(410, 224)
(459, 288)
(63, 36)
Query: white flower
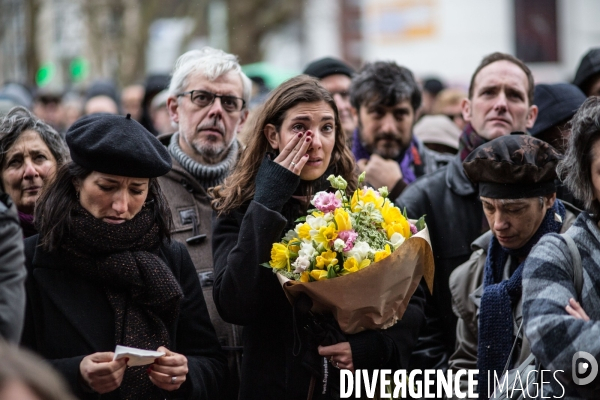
(338, 245)
(307, 250)
(301, 264)
(396, 240)
(316, 222)
(291, 234)
(360, 251)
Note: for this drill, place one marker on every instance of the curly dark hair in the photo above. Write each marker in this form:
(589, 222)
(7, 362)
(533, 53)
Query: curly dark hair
(575, 169)
(384, 83)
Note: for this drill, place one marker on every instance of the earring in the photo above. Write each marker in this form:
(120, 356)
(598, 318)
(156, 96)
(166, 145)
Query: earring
(77, 195)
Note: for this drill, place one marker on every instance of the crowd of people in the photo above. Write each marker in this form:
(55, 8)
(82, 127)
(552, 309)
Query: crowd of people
(142, 220)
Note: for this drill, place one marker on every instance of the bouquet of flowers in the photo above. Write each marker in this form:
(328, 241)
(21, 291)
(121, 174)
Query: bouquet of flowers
(359, 258)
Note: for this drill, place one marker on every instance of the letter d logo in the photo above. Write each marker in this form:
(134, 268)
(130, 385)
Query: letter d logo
(580, 367)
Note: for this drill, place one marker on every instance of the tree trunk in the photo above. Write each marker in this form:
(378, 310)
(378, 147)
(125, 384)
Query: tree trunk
(32, 8)
(249, 21)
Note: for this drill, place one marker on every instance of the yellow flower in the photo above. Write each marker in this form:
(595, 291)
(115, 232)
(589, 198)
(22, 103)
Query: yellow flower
(304, 231)
(394, 221)
(280, 256)
(326, 235)
(326, 259)
(342, 219)
(318, 274)
(402, 228)
(366, 196)
(294, 248)
(391, 213)
(381, 254)
(352, 265)
(318, 214)
(304, 277)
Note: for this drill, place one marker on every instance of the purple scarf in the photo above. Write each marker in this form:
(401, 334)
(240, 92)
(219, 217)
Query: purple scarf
(469, 140)
(407, 159)
(27, 224)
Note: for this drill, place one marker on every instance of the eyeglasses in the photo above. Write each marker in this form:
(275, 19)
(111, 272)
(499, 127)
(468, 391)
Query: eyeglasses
(202, 98)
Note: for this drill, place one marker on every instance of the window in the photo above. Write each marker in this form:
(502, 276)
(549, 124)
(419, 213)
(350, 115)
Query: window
(536, 30)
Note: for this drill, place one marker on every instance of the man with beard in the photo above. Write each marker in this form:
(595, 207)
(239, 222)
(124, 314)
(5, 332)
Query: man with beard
(207, 102)
(500, 102)
(386, 97)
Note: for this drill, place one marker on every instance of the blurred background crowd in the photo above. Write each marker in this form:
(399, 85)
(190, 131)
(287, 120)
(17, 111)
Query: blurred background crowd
(66, 58)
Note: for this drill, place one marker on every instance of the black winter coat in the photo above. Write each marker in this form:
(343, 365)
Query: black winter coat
(68, 318)
(248, 294)
(455, 218)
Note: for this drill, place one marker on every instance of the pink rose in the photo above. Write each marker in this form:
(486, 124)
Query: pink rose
(326, 202)
(349, 237)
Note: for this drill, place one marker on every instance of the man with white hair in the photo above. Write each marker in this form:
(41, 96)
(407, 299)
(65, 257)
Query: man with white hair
(207, 102)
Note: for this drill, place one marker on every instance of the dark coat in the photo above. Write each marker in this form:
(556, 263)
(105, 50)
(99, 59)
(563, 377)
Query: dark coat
(188, 200)
(454, 216)
(12, 272)
(248, 294)
(68, 318)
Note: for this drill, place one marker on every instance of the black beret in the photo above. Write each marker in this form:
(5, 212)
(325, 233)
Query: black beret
(513, 167)
(324, 67)
(117, 145)
(556, 103)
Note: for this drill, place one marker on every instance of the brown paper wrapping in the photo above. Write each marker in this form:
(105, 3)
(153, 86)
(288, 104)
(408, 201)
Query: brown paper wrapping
(375, 297)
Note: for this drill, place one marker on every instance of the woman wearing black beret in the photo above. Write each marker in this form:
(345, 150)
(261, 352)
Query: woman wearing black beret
(102, 272)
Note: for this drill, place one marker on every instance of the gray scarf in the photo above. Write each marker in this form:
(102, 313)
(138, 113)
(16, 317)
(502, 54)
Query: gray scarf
(206, 175)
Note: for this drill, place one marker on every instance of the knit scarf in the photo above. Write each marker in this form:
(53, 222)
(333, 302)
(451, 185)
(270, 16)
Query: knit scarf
(206, 175)
(469, 140)
(406, 160)
(139, 286)
(496, 333)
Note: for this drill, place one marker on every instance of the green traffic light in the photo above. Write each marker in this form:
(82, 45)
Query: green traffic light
(45, 74)
(78, 69)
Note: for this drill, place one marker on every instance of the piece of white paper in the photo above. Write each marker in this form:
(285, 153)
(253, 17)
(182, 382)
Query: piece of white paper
(136, 356)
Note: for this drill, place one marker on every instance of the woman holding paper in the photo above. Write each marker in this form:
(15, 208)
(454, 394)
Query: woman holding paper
(294, 144)
(102, 272)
